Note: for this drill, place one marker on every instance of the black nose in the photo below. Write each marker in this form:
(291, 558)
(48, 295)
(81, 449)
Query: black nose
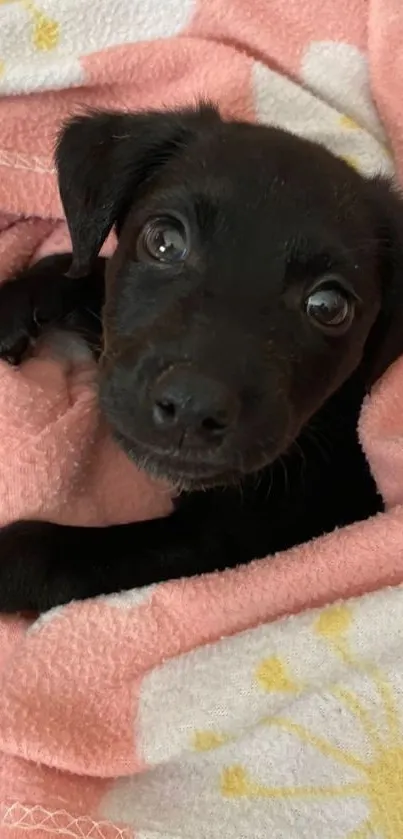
(187, 402)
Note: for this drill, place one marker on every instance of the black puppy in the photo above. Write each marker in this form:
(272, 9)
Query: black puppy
(255, 295)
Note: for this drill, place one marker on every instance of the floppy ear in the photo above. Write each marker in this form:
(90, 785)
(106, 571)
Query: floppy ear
(385, 343)
(102, 158)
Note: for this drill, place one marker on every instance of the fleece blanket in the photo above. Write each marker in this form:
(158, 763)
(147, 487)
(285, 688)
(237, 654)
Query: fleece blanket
(264, 701)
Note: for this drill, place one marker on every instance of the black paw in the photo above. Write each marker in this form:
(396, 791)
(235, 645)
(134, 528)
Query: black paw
(30, 303)
(43, 565)
(18, 326)
(24, 561)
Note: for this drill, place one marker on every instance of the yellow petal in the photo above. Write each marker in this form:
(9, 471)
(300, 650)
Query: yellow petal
(272, 676)
(205, 741)
(349, 123)
(333, 622)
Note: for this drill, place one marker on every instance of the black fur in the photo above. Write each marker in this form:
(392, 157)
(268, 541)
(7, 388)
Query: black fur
(265, 403)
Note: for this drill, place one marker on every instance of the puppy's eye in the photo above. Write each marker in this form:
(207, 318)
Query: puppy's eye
(330, 306)
(163, 239)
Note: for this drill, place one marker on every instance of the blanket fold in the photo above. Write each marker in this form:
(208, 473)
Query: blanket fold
(262, 701)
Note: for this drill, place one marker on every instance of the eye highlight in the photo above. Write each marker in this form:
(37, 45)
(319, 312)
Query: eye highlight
(163, 239)
(330, 305)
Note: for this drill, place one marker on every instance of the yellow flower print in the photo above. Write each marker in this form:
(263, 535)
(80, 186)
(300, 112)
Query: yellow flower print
(379, 777)
(334, 622)
(351, 161)
(206, 741)
(349, 123)
(272, 675)
(46, 32)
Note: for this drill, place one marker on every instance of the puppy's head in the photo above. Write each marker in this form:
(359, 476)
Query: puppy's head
(254, 274)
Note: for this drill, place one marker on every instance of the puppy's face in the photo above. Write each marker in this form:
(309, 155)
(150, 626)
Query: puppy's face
(242, 294)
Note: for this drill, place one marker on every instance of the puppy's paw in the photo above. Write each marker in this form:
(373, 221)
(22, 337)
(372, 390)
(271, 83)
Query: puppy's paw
(18, 326)
(31, 303)
(43, 565)
(26, 550)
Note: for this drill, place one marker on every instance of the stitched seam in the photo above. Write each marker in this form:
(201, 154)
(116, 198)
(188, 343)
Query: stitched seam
(60, 823)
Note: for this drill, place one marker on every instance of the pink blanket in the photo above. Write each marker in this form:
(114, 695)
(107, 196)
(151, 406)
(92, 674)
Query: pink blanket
(81, 691)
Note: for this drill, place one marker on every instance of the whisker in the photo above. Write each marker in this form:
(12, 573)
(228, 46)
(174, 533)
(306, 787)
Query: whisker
(282, 462)
(94, 315)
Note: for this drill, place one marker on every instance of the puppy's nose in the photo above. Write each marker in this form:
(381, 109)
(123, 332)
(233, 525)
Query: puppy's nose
(189, 402)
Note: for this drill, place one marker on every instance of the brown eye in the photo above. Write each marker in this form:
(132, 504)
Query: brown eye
(163, 240)
(330, 307)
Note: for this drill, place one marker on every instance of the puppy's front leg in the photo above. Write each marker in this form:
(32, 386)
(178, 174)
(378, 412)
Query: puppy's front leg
(44, 565)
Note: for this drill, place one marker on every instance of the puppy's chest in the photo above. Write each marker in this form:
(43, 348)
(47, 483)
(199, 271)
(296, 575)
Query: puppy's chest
(297, 499)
